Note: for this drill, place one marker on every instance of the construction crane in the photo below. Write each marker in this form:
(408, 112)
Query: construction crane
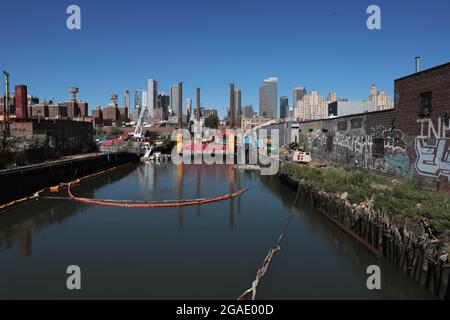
(137, 134)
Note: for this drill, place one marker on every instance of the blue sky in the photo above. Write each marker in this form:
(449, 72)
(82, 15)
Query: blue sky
(322, 44)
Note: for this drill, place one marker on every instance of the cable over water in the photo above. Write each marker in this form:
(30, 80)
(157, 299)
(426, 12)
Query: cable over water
(268, 259)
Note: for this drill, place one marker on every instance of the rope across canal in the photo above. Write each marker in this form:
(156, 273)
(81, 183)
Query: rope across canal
(268, 259)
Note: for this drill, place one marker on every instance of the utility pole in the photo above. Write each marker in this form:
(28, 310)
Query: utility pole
(6, 101)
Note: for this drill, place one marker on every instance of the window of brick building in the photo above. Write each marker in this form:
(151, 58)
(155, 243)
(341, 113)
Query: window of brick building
(425, 103)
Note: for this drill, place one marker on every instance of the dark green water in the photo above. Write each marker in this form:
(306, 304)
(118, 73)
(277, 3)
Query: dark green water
(203, 252)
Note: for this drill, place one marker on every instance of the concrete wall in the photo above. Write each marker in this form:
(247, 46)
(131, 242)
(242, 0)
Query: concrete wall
(19, 183)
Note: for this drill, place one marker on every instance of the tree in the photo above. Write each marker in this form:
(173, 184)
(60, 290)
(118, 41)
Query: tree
(212, 122)
(6, 149)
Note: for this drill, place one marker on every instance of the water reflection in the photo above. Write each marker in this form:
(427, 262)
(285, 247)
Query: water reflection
(199, 252)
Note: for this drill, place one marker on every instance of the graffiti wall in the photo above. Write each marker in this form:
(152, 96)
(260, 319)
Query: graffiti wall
(373, 141)
(368, 140)
(432, 150)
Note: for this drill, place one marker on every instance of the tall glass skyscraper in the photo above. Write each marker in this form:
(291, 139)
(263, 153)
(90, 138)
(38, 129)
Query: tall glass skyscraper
(284, 107)
(126, 100)
(268, 98)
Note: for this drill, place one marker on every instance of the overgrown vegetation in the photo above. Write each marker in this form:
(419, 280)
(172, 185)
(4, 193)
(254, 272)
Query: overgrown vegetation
(13, 154)
(399, 199)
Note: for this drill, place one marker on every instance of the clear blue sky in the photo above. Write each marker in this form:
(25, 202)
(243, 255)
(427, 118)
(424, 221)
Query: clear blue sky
(323, 45)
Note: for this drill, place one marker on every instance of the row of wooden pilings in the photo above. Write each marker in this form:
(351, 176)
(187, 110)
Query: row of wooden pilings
(416, 252)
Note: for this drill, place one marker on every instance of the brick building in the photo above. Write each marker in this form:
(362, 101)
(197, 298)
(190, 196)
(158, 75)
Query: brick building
(422, 103)
(111, 113)
(411, 141)
(123, 112)
(66, 136)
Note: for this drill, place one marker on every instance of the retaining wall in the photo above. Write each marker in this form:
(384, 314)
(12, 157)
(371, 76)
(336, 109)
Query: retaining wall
(25, 181)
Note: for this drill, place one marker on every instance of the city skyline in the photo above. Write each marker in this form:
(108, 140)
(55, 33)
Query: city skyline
(107, 61)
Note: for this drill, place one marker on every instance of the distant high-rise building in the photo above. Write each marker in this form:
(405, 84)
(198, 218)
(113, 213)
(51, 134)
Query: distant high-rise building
(332, 97)
(180, 106)
(126, 100)
(248, 112)
(380, 99)
(188, 109)
(232, 107)
(299, 93)
(284, 107)
(138, 99)
(152, 96)
(144, 99)
(268, 98)
(163, 104)
(312, 106)
(174, 98)
(238, 107)
(209, 112)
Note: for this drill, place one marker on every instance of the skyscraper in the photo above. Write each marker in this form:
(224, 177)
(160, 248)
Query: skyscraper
(284, 107)
(152, 92)
(144, 99)
(268, 98)
(138, 98)
(174, 98)
(188, 109)
(299, 93)
(238, 106)
(198, 111)
(163, 105)
(126, 100)
(313, 106)
(380, 99)
(180, 104)
(232, 107)
(247, 111)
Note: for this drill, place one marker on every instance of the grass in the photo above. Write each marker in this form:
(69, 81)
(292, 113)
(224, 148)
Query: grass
(399, 199)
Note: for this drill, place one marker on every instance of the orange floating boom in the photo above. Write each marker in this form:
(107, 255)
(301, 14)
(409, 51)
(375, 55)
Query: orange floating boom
(180, 203)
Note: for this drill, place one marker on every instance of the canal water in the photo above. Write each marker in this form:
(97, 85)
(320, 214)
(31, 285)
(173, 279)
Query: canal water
(203, 252)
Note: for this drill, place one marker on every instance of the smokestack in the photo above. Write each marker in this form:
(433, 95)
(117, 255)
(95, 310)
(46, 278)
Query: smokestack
(6, 98)
(198, 104)
(417, 64)
(232, 107)
(21, 101)
(114, 100)
(73, 91)
(180, 105)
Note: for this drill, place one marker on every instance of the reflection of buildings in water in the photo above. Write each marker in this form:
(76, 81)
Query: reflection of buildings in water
(147, 176)
(238, 178)
(25, 243)
(180, 176)
(18, 223)
(198, 189)
(230, 172)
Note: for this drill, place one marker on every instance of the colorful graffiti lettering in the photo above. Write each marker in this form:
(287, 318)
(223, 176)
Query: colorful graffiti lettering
(433, 160)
